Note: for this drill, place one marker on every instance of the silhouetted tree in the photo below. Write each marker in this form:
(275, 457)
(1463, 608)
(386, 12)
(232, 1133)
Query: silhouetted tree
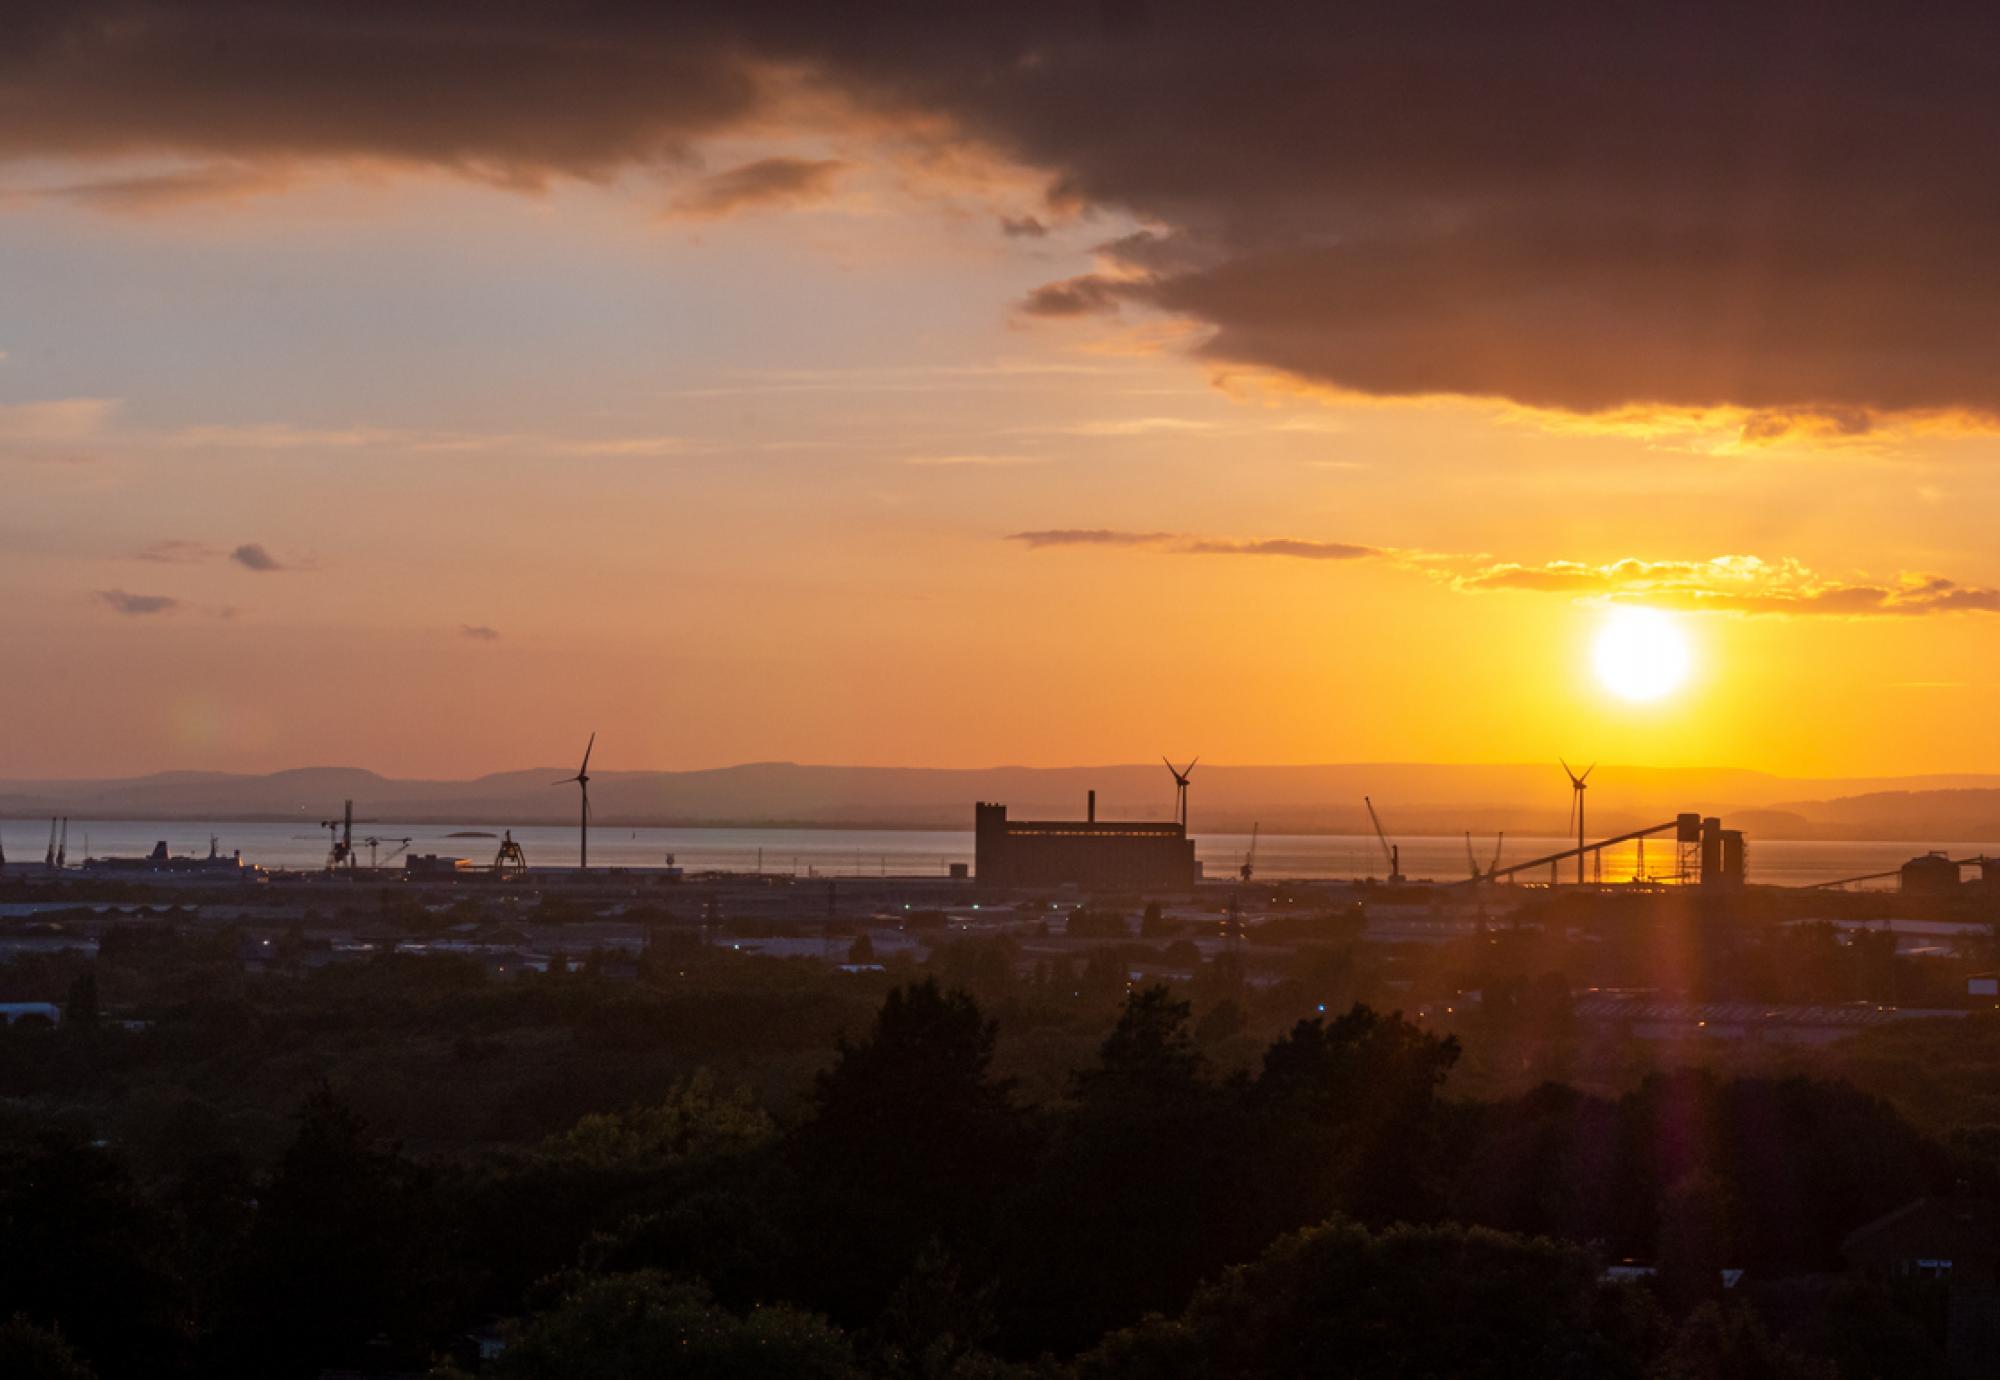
(28, 1352)
(1718, 1343)
(1431, 1301)
(911, 1140)
(1342, 1121)
(646, 1325)
(85, 1255)
(344, 1249)
(1126, 1215)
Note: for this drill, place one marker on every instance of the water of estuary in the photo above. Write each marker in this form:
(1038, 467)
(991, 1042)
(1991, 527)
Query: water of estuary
(919, 853)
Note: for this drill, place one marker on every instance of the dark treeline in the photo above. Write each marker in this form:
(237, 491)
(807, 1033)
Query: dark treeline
(1170, 1211)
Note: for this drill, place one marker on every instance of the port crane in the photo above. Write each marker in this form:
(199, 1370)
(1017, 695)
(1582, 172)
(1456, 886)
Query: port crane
(510, 860)
(1391, 854)
(340, 838)
(1499, 841)
(375, 843)
(1250, 858)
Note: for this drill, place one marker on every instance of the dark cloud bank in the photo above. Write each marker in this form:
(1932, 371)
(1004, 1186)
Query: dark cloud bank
(1779, 206)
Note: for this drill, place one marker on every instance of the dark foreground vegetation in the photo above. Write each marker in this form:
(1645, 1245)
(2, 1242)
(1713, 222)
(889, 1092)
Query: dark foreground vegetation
(745, 1167)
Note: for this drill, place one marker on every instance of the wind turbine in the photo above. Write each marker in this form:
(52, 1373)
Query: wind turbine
(582, 779)
(1181, 775)
(1576, 790)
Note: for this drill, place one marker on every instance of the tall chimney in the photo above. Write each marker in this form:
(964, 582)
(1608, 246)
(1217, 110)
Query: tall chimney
(1093, 807)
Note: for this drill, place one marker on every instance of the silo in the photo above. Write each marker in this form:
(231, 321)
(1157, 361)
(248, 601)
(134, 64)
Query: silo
(1711, 851)
(1732, 857)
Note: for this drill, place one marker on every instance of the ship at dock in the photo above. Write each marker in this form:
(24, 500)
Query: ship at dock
(160, 865)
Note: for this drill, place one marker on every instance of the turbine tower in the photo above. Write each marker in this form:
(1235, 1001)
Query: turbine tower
(1181, 775)
(1576, 790)
(582, 779)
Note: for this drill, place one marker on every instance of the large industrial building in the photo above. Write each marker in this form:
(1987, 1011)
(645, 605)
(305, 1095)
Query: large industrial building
(1087, 853)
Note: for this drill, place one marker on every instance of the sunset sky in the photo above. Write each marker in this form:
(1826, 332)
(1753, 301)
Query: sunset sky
(423, 386)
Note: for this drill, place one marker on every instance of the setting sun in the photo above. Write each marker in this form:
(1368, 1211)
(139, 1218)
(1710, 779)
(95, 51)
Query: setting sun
(1640, 654)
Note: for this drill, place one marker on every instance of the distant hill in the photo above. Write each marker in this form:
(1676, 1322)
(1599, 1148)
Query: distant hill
(1965, 815)
(1414, 798)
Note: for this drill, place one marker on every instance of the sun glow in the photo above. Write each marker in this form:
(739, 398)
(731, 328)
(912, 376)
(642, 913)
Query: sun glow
(1641, 654)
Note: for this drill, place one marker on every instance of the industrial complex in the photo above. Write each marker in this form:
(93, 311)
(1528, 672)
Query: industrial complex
(1082, 856)
(1088, 853)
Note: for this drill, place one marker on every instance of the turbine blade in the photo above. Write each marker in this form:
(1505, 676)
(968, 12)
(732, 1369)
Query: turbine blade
(1586, 773)
(586, 754)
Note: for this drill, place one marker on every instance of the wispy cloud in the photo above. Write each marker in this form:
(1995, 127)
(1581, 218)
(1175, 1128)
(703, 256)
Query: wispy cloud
(148, 192)
(252, 556)
(1180, 544)
(1089, 536)
(281, 436)
(764, 183)
(1141, 426)
(1083, 296)
(478, 632)
(60, 421)
(136, 605)
(176, 552)
(1282, 546)
(973, 461)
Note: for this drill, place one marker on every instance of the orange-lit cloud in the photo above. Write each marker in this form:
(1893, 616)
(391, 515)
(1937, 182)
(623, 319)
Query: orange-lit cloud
(1723, 584)
(1736, 584)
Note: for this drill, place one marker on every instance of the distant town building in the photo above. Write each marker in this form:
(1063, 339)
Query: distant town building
(1089, 853)
(1932, 1238)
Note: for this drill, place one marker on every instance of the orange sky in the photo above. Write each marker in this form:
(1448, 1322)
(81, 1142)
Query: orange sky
(356, 457)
